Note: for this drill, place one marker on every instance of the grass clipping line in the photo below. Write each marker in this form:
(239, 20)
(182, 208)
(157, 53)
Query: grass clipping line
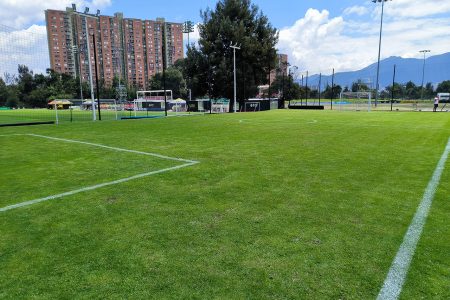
(396, 277)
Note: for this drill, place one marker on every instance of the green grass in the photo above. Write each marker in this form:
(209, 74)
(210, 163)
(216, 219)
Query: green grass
(284, 204)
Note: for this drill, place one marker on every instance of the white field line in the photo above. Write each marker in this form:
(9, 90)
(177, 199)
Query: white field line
(114, 148)
(395, 279)
(12, 134)
(90, 188)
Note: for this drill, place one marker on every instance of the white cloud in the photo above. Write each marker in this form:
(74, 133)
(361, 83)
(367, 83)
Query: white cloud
(27, 43)
(27, 47)
(21, 13)
(318, 42)
(357, 10)
(416, 8)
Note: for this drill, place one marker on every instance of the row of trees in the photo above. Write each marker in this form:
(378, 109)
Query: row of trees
(36, 90)
(409, 91)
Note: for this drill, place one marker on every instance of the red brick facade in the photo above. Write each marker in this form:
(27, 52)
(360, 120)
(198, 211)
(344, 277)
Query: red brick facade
(129, 49)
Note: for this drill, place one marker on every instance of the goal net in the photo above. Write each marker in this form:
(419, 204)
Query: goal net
(355, 101)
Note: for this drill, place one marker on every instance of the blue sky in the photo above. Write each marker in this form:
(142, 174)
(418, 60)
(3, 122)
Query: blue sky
(281, 12)
(318, 35)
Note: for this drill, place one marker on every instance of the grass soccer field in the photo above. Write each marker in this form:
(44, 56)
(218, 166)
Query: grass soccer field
(271, 205)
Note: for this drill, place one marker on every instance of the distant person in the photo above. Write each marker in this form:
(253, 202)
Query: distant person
(436, 103)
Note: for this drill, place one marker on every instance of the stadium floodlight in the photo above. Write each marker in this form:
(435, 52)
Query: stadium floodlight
(377, 86)
(423, 71)
(234, 63)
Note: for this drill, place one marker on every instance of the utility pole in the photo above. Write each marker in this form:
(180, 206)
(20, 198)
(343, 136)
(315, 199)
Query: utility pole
(235, 47)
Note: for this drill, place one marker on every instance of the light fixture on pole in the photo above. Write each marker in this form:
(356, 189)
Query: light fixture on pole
(234, 63)
(423, 71)
(379, 49)
(188, 27)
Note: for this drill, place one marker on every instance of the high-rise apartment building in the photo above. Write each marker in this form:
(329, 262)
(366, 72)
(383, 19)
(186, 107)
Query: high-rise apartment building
(281, 67)
(131, 50)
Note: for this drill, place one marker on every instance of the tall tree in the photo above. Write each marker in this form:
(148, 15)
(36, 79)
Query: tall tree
(443, 87)
(195, 69)
(359, 86)
(334, 93)
(237, 22)
(3, 92)
(174, 82)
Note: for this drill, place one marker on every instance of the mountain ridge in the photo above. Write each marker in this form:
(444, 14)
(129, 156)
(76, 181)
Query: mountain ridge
(437, 69)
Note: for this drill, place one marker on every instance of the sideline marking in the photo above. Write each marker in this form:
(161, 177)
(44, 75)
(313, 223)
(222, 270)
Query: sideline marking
(89, 188)
(393, 284)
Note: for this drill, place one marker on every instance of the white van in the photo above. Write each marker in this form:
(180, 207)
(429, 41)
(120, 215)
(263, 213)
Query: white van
(444, 97)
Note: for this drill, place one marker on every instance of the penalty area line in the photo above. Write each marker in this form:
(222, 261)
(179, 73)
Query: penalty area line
(393, 284)
(90, 188)
(113, 148)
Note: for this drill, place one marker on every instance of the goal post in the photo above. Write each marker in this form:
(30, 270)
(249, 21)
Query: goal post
(355, 101)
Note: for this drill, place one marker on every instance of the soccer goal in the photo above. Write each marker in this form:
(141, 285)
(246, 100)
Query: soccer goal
(355, 101)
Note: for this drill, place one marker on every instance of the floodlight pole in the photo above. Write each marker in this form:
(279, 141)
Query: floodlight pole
(332, 90)
(379, 49)
(234, 63)
(188, 27)
(164, 61)
(393, 84)
(306, 89)
(90, 68)
(96, 77)
(301, 94)
(320, 86)
(423, 71)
